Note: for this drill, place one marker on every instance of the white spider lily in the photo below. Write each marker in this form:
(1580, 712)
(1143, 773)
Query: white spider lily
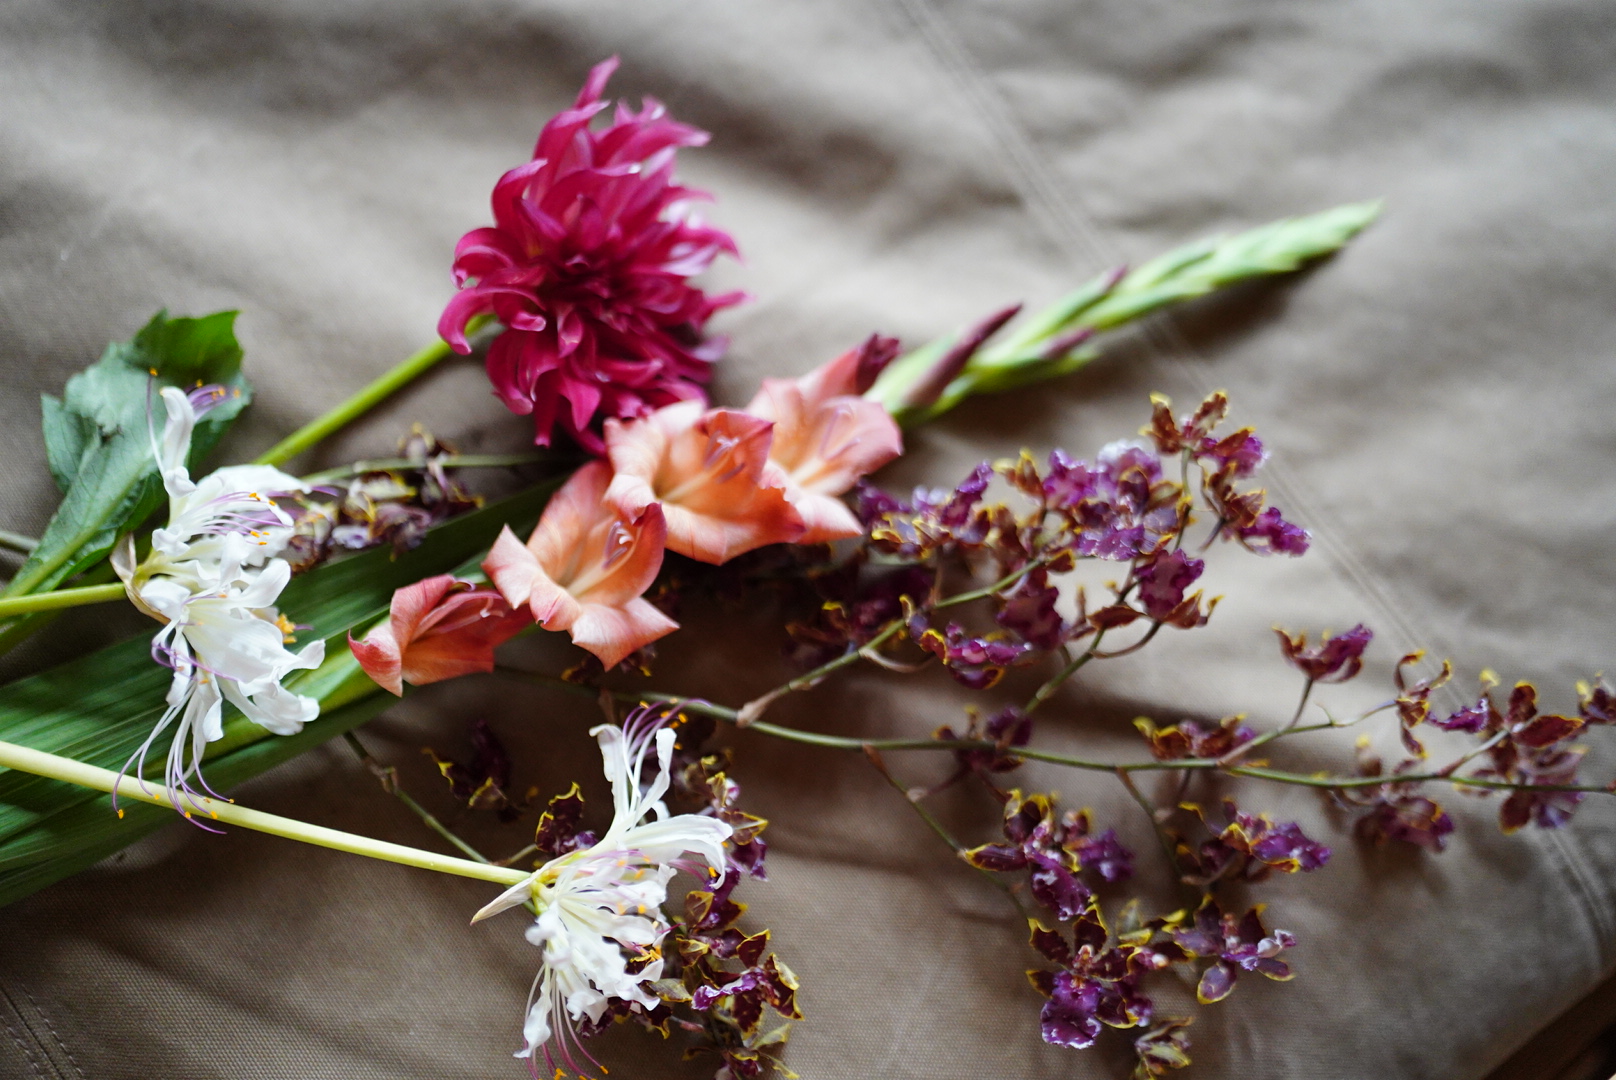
(600, 908)
(213, 580)
(218, 527)
(224, 645)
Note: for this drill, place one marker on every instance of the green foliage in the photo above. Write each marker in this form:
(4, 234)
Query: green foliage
(1030, 354)
(99, 708)
(98, 437)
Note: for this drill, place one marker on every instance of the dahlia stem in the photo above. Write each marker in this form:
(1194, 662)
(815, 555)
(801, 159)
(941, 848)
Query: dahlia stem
(61, 598)
(39, 763)
(366, 399)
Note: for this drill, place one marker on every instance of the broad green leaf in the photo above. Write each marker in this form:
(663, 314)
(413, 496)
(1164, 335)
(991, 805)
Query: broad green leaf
(101, 707)
(1109, 301)
(98, 437)
(67, 436)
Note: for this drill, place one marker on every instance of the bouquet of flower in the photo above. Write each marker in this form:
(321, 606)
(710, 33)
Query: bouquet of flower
(291, 610)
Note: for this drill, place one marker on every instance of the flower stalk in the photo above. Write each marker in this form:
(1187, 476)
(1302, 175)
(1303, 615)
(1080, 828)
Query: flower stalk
(379, 390)
(56, 767)
(11, 606)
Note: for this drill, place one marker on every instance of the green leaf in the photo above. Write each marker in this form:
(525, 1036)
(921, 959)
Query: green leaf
(98, 437)
(101, 707)
(1108, 301)
(67, 436)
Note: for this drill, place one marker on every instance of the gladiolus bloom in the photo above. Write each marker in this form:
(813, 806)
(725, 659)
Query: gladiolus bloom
(827, 438)
(585, 567)
(587, 267)
(437, 629)
(710, 472)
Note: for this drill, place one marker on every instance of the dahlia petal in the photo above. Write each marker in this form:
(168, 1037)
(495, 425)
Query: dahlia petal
(588, 262)
(463, 306)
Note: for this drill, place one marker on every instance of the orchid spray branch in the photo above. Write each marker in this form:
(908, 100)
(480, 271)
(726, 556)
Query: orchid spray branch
(1030, 753)
(39, 763)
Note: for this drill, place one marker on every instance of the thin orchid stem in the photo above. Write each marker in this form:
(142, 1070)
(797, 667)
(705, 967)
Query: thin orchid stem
(12, 606)
(447, 461)
(17, 542)
(1047, 691)
(1155, 824)
(841, 742)
(388, 777)
(755, 708)
(1290, 725)
(39, 763)
(874, 758)
(380, 389)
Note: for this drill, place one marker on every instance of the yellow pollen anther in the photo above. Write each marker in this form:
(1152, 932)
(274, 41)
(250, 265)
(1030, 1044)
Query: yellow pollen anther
(120, 811)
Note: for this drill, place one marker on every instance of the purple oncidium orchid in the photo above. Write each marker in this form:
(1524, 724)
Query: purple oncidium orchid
(587, 266)
(1234, 943)
(212, 579)
(599, 920)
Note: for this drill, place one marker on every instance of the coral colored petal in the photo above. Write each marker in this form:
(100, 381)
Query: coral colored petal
(568, 517)
(633, 560)
(612, 633)
(512, 568)
(378, 654)
(471, 649)
(825, 517)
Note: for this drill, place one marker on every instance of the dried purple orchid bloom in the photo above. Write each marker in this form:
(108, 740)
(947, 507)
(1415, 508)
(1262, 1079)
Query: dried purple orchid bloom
(1097, 983)
(1333, 660)
(1234, 943)
(1396, 809)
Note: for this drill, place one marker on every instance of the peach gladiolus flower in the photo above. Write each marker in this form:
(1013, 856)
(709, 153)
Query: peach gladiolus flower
(585, 567)
(437, 629)
(826, 438)
(710, 471)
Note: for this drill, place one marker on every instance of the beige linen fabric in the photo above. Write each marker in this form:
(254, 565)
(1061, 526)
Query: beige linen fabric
(1437, 401)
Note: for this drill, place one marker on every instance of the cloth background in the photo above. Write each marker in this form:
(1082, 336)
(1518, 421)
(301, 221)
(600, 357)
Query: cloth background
(1437, 400)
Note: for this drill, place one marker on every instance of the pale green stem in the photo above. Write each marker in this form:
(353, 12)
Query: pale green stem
(17, 542)
(366, 399)
(12, 606)
(39, 763)
(448, 461)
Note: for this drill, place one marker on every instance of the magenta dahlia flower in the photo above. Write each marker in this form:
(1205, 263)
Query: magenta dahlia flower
(587, 267)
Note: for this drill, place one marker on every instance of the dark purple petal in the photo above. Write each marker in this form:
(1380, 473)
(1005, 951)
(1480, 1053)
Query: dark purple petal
(1164, 580)
(1271, 534)
(1216, 982)
(1057, 888)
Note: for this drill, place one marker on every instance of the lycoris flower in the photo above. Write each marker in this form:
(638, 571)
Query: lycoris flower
(437, 629)
(219, 526)
(587, 267)
(224, 644)
(585, 568)
(826, 437)
(212, 578)
(599, 908)
(710, 471)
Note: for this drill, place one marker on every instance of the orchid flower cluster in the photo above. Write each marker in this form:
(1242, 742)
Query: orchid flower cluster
(212, 578)
(1042, 564)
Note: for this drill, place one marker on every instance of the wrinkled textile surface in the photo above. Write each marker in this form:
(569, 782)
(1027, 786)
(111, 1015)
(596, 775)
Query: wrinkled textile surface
(1437, 400)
